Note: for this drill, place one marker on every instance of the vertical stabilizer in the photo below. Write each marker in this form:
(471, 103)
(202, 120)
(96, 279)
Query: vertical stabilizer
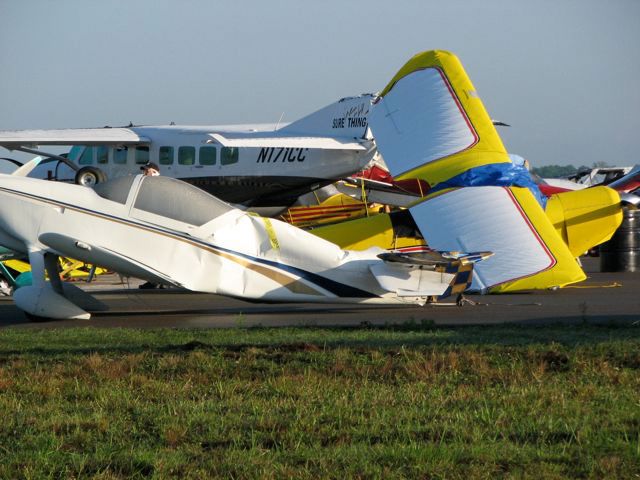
(345, 118)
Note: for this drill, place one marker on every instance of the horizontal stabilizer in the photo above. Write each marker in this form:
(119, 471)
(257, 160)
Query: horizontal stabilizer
(411, 280)
(432, 273)
(326, 143)
(428, 257)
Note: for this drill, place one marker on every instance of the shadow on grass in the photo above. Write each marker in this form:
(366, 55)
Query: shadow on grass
(412, 334)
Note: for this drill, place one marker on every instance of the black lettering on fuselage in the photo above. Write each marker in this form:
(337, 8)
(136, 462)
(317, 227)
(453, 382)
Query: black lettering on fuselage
(286, 154)
(280, 150)
(262, 156)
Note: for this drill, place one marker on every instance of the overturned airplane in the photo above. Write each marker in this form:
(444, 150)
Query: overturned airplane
(167, 231)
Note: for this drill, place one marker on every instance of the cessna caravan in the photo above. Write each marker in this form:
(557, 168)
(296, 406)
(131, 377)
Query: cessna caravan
(256, 165)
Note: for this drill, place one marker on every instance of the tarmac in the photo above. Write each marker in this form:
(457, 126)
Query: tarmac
(604, 298)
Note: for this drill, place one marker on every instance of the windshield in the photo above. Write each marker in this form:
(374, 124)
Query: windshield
(116, 190)
(178, 200)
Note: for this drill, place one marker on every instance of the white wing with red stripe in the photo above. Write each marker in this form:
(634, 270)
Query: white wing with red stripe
(484, 218)
(420, 120)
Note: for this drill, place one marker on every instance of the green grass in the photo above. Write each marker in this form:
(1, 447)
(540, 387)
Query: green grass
(403, 402)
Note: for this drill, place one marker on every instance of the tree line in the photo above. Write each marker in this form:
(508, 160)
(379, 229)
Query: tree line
(558, 171)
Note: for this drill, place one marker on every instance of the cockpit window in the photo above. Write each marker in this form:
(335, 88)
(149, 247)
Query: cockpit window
(116, 189)
(177, 200)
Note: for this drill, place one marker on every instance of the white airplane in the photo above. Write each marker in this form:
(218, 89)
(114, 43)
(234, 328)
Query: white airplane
(168, 231)
(255, 165)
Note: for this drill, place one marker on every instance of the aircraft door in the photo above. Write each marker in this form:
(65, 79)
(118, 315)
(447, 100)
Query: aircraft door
(186, 167)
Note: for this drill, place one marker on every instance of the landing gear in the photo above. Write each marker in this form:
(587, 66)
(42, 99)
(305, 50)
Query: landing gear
(45, 300)
(90, 176)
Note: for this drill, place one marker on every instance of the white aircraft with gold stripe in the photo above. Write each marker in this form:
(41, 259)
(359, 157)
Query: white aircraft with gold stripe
(168, 231)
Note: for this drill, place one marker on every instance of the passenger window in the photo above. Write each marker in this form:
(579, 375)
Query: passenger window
(229, 155)
(207, 155)
(166, 155)
(102, 154)
(87, 156)
(187, 155)
(142, 155)
(120, 155)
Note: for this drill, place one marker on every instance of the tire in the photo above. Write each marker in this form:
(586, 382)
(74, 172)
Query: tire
(90, 176)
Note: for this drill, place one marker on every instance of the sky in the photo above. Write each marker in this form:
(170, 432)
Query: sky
(562, 73)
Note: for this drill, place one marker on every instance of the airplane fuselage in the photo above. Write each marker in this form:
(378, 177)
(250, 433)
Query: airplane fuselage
(165, 231)
(257, 176)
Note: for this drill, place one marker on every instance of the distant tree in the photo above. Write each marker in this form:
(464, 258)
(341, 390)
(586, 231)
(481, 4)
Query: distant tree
(600, 164)
(554, 171)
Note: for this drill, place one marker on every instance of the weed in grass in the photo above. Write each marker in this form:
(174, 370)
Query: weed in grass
(240, 320)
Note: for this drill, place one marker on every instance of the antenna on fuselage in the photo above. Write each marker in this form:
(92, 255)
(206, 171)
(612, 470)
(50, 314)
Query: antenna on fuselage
(279, 120)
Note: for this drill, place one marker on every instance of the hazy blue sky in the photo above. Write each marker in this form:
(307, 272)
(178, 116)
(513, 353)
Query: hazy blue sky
(563, 73)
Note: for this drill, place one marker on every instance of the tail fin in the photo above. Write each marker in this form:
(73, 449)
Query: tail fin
(429, 122)
(423, 272)
(461, 280)
(345, 118)
(459, 265)
(455, 265)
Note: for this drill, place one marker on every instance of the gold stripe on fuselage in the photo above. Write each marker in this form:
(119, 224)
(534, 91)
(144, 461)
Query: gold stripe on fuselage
(288, 281)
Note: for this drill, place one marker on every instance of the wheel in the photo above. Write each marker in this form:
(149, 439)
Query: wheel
(89, 176)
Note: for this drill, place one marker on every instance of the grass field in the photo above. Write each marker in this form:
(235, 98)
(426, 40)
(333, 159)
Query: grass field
(403, 402)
